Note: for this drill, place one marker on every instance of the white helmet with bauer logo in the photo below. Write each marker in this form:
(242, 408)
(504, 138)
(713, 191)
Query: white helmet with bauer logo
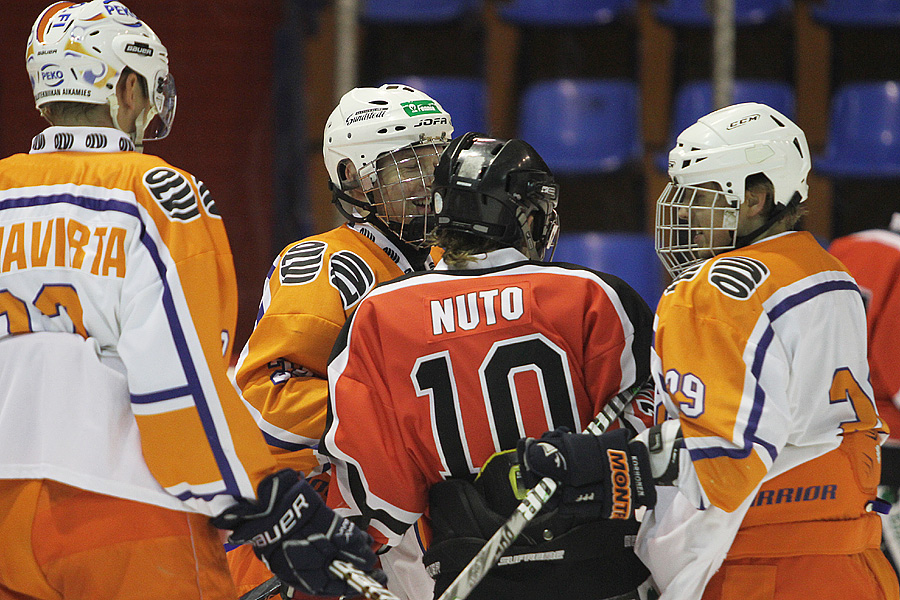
(78, 51)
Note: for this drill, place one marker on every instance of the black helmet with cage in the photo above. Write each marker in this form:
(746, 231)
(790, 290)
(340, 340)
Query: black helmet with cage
(497, 189)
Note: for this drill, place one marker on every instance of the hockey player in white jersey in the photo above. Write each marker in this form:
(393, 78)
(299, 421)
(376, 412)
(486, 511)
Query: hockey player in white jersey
(766, 453)
(120, 433)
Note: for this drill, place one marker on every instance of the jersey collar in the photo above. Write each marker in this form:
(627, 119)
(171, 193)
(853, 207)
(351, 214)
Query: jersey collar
(389, 248)
(495, 258)
(81, 139)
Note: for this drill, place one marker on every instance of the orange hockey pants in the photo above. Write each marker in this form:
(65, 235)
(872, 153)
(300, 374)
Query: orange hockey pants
(58, 542)
(864, 576)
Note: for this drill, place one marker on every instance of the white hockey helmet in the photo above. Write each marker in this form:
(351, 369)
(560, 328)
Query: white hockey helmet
(77, 52)
(724, 148)
(407, 130)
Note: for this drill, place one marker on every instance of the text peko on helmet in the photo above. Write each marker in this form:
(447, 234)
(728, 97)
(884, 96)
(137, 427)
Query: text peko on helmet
(489, 187)
(716, 155)
(78, 51)
(393, 136)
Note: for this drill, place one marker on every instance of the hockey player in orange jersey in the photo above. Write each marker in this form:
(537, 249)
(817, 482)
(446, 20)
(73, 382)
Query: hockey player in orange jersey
(766, 454)
(436, 372)
(120, 433)
(380, 147)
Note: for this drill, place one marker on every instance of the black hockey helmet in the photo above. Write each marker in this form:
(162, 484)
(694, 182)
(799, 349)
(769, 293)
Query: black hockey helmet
(488, 187)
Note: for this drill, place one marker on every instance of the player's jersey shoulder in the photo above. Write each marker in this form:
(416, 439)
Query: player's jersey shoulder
(342, 260)
(162, 189)
(742, 280)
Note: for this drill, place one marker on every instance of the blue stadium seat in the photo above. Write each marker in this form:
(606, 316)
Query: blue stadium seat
(630, 256)
(694, 13)
(859, 13)
(465, 98)
(566, 12)
(695, 99)
(863, 132)
(417, 11)
(583, 125)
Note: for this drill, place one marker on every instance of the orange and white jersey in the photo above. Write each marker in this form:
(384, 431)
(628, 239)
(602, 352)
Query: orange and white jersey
(437, 371)
(873, 258)
(760, 353)
(313, 285)
(117, 311)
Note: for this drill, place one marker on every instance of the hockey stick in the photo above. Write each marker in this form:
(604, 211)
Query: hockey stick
(531, 505)
(361, 582)
(267, 589)
(357, 579)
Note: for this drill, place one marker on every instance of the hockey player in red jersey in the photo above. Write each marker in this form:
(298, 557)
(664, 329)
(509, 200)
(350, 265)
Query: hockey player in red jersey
(766, 454)
(380, 148)
(120, 433)
(873, 258)
(437, 372)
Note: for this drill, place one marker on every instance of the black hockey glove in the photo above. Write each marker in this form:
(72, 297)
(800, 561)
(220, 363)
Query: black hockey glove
(601, 476)
(297, 536)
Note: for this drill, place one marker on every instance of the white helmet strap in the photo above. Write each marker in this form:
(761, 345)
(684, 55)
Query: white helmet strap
(140, 124)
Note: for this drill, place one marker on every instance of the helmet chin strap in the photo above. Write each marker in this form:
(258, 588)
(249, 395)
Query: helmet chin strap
(416, 256)
(749, 238)
(137, 136)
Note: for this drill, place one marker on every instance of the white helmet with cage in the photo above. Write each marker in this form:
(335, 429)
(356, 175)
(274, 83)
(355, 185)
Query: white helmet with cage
(393, 136)
(78, 51)
(709, 167)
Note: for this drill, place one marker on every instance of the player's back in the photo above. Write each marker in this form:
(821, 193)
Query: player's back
(495, 354)
(107, 262)
(68, 223)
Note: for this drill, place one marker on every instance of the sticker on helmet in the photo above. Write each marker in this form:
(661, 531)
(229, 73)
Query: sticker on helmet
(743, 121)
(366, 115)
(350, 276)
(52, 75)
(139, 48)
(737, 276)
(302, 263)
(173, 192)
(414, 108)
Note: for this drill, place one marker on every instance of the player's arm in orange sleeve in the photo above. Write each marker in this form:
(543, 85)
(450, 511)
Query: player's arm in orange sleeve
(178, 318)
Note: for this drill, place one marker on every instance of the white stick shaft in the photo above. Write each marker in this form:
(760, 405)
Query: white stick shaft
(361, 582)
(534, 501)
(357, 579)
(502, 539)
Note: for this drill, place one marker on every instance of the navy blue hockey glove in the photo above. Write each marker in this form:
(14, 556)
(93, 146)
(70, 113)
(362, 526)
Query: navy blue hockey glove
(601, 476)
(297, 536)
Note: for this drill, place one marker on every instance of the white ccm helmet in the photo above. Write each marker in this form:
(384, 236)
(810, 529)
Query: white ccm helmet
(724, 148)
(77, 52)
(368, 128)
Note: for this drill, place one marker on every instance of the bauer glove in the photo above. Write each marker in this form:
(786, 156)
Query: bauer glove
(297, 536)
(601, 476)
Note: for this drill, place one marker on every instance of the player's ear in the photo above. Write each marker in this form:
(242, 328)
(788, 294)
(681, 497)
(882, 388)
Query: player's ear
(755, 201)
